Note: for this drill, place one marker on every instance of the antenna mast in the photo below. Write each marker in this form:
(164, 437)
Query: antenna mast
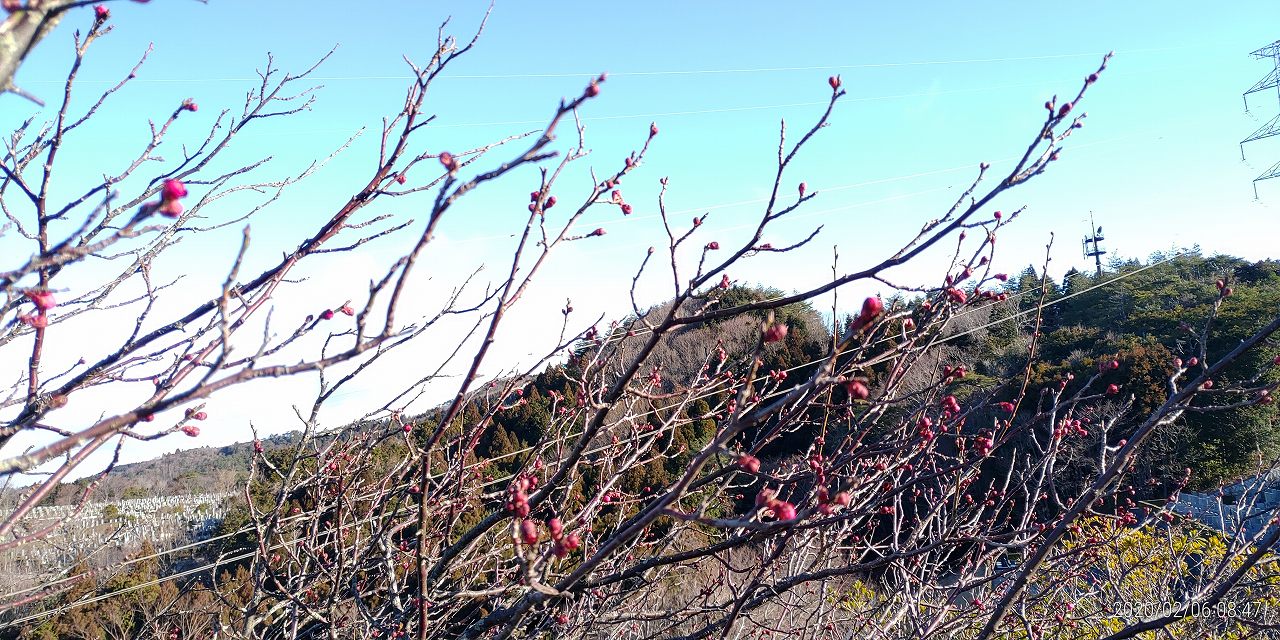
(1272, 127)
(1092, 249)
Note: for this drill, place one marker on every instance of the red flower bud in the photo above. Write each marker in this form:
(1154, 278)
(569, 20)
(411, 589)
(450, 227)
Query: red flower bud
(101, 12)
(327, 314)
(856, 390)
(190, 105)
(1064, 109)
(956, 295)
(400, 179)
(802, 188)
(1007, 407)
(626, 209)
(834, 81)
(713, 245)
(653, 129)
(749, 463)
(191, 430)
(597, 232)
(1113, 389)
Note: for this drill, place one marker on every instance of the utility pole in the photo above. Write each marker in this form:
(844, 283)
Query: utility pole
(1272, 127)
(1091, 247)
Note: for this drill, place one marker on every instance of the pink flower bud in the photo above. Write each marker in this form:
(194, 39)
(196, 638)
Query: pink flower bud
(43, 300)
(450, 163)
(172, 190)
(834, 81)
(400, 179)
(1113, 389)
(347, 310)
(190, 105)
(653, 129)
(626, 209)
(556, 528)
(170, 209)
(34, 321)
(191, 430)
(1007, 407)
(802, 189)
(528, 532)
(783, 510)
(597, 232)
(101, 12)
(327, 314)
(776, 332)
(724, 281)
(749, 463)
(713, 245)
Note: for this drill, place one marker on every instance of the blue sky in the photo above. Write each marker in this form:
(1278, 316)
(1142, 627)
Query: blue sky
(934, 89)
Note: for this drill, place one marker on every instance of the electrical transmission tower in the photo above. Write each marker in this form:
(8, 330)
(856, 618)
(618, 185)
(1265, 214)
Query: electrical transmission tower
(1272, 127)
(1092, 249)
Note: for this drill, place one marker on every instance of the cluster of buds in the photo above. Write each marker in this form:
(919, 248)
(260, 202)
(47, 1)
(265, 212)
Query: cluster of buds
(957, 295)
(749, 463)
(616, 198)
(1108, 365)
(950, 407)
(827, 504)
(1069, 426)
(1006, 407)
(983, 444)
(1223, 290)
(782, 510)
(563, 543)
(518, 495)
(170, 195)
(533, 201)
(189, 105)
(951, 374)
(925, 428)
(992, 295)
(43, 301)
